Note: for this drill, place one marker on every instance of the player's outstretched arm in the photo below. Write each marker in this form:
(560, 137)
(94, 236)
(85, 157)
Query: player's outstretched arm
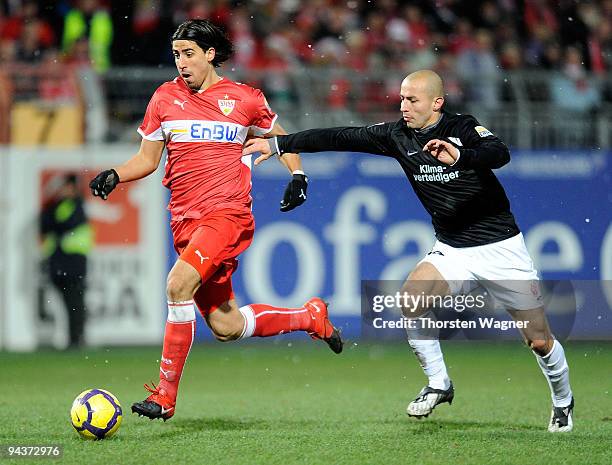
(374, 139)
(139, 166)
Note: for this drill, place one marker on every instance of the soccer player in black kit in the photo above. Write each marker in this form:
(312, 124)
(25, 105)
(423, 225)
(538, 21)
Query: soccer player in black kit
(448, 159)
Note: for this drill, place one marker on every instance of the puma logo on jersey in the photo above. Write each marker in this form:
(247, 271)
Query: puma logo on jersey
(180, 104)
(202, 258)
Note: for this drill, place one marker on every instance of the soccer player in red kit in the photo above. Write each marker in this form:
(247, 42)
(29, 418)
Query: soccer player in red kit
(203, 120)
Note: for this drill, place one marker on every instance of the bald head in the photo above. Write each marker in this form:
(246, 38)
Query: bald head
(422, 96)
(427, 80)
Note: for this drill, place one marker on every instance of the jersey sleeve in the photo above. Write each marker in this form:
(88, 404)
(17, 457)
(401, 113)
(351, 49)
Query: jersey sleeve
(263, 116)
(481, 148)
(374, 139)
(150, 128)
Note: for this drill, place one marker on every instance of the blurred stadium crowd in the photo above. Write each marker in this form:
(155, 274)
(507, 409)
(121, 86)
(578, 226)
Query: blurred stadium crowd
(474, 45)
(479, 36)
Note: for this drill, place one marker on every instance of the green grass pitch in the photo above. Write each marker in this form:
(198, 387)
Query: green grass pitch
(297, 403)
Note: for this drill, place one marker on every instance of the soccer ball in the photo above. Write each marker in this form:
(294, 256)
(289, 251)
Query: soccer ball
(96, 414)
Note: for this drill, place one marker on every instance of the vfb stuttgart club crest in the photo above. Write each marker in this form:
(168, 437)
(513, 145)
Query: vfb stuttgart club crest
(226, 106)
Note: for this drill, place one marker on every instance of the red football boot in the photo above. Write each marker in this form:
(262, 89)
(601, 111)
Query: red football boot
(322, 327)
(157, 405)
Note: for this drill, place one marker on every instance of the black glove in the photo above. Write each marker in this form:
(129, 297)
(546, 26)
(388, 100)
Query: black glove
(104, 183)
(295, 193)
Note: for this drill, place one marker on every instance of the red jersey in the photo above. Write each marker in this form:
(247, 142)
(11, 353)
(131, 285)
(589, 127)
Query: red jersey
(204, 132)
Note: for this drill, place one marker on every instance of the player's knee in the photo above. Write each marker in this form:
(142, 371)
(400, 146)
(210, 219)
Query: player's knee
(178, 289)
(414, 311)
(414, 304)
(541, 346)
(422, 291)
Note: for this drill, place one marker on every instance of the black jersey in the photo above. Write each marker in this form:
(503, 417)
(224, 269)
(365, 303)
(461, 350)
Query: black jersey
(467, 204)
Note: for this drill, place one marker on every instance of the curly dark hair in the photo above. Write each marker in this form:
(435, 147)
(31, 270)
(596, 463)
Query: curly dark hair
(206, 35)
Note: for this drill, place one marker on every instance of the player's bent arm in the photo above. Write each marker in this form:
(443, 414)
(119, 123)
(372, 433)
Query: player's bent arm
(481, 148)
(489, 153)
(143, 163)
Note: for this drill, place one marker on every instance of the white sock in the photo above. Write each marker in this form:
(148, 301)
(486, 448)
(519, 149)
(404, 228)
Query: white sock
(430, 357)
(249, 322)
(554, 366)
(181, 312)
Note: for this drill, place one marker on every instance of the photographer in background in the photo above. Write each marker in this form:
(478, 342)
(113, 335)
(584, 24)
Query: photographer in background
(67, 240)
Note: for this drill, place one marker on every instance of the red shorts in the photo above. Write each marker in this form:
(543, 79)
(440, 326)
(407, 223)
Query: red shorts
(211, 245)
